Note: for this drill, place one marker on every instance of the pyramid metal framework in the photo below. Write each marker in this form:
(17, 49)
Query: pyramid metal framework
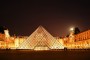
(40, 39)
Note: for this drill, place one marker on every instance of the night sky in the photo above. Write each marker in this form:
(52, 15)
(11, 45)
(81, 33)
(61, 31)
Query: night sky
(23, 17)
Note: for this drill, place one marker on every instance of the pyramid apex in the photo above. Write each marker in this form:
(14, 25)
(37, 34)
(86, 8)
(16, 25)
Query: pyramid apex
(40, 26)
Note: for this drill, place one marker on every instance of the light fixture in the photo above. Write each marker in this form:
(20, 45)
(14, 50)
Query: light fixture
(71, 29)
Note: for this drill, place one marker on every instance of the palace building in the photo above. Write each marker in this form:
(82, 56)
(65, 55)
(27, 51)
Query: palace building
(41, 39)
(78, 41)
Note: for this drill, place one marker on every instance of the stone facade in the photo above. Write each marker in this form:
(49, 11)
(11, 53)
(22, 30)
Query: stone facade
(78, 41)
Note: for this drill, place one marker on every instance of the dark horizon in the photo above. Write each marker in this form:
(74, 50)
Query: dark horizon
(23, 17)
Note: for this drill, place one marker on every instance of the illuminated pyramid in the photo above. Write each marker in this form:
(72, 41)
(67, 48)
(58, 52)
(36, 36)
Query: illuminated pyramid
(40, 39)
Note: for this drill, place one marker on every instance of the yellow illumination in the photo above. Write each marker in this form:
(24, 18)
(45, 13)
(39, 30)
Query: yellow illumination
(71, 29)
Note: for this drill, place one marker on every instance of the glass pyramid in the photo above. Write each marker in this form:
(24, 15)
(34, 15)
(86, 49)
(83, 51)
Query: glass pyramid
(40, 39)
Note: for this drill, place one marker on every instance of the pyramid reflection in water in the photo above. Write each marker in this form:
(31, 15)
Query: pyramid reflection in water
(40, 39)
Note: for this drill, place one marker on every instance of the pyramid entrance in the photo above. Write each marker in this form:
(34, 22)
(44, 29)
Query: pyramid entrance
(40, 39)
